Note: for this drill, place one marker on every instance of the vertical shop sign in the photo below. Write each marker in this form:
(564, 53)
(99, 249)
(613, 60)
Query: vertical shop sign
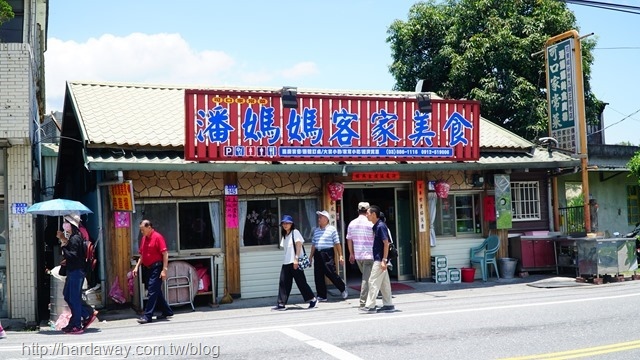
(563, 94)
(504, 212)
(422, 206)
(122, 196)
(231, 206)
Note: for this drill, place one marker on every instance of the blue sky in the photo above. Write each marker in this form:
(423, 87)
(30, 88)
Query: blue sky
(310, 44)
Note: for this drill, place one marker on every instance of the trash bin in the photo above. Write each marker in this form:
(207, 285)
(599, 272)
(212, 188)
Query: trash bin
(507, 267)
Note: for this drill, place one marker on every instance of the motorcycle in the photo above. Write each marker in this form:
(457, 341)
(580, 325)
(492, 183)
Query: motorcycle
(635, 234)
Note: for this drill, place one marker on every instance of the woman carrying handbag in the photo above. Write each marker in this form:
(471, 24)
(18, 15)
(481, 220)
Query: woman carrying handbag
(291, 269)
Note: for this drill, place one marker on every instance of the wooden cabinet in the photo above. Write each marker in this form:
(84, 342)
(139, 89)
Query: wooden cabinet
(533, 253)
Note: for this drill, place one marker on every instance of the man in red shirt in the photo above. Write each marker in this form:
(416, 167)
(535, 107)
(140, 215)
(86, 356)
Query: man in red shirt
(155, 258)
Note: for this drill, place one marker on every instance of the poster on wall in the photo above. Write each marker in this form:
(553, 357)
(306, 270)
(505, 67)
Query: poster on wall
(122, 219)
(504, 213)
(122, 196)
(422, 206)
(231, 206)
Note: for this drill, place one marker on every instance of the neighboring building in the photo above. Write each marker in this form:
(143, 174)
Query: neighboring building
(226, 201)
(22, 103)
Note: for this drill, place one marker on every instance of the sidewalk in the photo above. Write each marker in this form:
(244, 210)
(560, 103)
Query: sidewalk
(410, 289)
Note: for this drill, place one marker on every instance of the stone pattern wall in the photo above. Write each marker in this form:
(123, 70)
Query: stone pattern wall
(279, 183)
(455, 179)
(174, 184)
(179, 184)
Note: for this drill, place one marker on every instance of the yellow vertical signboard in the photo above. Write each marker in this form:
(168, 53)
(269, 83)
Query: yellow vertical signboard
(122, 196)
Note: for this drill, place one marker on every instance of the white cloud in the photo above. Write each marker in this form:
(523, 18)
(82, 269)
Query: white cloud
(151, 58)
(300, 70)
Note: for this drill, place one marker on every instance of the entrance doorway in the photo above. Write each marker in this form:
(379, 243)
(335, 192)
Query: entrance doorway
(395, 202)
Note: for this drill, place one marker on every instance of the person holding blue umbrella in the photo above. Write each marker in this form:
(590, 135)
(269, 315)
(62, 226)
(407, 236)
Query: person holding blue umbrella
(72, 245)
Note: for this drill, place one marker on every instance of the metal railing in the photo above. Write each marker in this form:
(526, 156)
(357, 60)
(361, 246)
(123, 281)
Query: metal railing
(571, 219)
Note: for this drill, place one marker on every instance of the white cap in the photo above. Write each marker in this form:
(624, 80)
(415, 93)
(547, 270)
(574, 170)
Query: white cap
(324, 213)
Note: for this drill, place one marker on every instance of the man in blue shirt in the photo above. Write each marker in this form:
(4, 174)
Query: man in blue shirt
(325, 239)
(379, 279)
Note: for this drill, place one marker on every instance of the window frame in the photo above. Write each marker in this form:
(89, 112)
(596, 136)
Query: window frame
(135, 241)
(453, 195)
(278, 199)
(519, 201)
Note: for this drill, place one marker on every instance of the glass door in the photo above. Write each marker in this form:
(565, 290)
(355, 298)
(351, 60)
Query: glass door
(403, 235)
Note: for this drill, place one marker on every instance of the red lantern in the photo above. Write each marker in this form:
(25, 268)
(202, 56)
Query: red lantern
(335, 190)
(442, 189)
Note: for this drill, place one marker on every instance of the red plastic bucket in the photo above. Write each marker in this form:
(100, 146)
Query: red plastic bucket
(468, 274)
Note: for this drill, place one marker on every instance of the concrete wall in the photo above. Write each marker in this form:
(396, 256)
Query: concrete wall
(18, 112)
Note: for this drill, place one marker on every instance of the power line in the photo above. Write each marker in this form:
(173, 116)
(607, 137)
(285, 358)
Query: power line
(618, 48)
(617, 122)
(606, 6)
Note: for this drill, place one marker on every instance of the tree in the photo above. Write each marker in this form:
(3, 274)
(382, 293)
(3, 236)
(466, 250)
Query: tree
(634, 166)
(481, 50)
(6, 12)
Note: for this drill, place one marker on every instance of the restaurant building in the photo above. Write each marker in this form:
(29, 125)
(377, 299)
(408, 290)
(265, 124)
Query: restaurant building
(216, 168)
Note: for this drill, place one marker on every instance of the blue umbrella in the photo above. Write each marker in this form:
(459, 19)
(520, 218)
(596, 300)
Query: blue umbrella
(58, 207)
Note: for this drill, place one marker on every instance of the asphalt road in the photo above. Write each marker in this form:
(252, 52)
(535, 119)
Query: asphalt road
(510, 322)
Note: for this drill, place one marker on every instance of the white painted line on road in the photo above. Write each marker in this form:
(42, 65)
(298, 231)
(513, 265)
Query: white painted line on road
(149, 338)
(332, 350)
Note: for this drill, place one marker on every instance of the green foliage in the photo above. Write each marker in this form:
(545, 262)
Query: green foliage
(6, 12)
(575, 201)
(634, 166)
(481, 50)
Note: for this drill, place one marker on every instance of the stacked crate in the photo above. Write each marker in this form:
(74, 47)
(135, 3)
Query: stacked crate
(439, 271)
(454, 276)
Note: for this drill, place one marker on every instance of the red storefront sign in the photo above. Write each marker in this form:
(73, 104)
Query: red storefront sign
(245, 125)
(376, 176)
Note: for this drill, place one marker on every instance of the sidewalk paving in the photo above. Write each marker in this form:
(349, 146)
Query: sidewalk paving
(493, 286)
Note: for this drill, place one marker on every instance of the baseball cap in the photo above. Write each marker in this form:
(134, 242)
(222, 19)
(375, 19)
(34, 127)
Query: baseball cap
(324, 213)
(363, 205)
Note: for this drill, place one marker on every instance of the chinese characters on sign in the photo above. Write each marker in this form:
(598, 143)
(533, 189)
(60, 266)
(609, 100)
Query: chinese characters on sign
(231, 206)
(122, 196)
(563, 108)
(376, 176)
(422, 206)
(246, 125)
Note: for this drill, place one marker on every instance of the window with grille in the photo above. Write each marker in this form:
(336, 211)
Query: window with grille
(633, 204)
(525, 200)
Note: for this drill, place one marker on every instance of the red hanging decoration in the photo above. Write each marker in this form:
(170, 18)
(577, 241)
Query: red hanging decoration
(442, 189)
(335, 190)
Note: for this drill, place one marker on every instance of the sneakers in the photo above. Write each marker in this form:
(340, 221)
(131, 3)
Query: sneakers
(90, 319)
(387, 308)
(313, 303)
(345, 294)
(143, 320)
(3, 334)
(163, 316)
(72, 330)
(367, 310)
(321, 299)
(279, 307)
